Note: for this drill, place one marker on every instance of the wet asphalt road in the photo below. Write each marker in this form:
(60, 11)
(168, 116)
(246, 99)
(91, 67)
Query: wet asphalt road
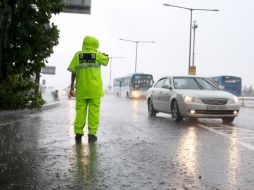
(133, 152)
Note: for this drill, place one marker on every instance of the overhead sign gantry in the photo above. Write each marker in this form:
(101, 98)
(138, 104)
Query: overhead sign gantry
(77, 6)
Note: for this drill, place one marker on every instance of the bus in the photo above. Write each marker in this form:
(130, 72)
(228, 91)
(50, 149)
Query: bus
(133, 85)
(232, 84)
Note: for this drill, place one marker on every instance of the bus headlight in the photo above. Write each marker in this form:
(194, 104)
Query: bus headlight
(135, 94)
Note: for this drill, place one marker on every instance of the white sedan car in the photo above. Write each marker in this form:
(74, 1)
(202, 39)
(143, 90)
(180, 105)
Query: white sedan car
(191, 96)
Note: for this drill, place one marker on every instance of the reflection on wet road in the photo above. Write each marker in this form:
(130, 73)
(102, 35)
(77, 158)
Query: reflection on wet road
(38, 151)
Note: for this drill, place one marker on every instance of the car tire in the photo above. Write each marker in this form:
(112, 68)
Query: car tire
(176, 116)
(228, 119)
(151, 110)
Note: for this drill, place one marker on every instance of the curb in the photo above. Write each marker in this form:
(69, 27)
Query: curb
(27, 111)
(51, 105)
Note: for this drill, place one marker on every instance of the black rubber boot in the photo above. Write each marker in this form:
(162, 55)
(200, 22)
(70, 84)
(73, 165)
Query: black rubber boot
(78, 138)
(92, 138)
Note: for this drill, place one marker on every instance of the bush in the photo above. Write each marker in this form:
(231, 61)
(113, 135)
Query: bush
(16, 93)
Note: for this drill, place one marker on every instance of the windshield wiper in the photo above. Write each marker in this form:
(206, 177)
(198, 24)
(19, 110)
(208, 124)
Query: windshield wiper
(199, 85)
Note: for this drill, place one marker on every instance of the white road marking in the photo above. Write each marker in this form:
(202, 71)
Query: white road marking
(243, 138)
(244, 144)
(9, 123)
(247, 130)
(39, 114)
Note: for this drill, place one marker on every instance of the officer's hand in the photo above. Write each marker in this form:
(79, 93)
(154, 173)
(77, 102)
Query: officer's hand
(71, 94)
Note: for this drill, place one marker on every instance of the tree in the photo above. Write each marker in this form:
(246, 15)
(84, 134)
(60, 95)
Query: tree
(30, 41)
(245, 91)
(250, 91)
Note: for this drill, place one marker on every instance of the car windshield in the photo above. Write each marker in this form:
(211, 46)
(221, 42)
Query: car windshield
(193, 83)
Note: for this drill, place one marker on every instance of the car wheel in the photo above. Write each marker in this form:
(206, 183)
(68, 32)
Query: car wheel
(151, 110)
(176, 116)
(228, 119)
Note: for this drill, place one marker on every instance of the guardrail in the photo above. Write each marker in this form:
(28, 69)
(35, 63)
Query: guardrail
(247, 101)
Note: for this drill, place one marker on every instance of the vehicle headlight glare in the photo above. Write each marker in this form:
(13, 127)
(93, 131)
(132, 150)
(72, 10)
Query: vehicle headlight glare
(236, 100)
(135, 94)
(188, 99)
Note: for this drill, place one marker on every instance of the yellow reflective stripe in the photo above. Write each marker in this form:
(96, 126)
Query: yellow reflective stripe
(88, 65)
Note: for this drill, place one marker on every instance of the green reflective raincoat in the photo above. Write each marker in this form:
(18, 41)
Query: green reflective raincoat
(86, 65)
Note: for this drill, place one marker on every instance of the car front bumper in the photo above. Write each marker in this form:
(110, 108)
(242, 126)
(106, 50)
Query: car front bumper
(209, 111)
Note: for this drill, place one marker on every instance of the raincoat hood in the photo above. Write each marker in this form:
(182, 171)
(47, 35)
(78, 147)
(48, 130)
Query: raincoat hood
(90, 43)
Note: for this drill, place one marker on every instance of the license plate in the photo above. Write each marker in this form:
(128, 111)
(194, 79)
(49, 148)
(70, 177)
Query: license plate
(211, 107)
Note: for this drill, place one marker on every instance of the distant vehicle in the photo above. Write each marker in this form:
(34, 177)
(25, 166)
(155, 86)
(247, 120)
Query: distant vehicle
(133, 85)
(232, 84)
(191, 96)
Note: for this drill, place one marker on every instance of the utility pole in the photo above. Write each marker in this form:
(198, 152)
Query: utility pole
(195, 26)
(110, 70)
(191, 10)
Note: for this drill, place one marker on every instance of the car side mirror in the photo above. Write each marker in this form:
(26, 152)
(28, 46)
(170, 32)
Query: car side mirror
(166, 86)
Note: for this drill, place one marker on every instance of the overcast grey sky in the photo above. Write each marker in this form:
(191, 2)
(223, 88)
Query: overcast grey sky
(224, 39)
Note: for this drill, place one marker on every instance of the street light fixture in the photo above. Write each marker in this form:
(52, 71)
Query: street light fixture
(191, 10)
(137, 42)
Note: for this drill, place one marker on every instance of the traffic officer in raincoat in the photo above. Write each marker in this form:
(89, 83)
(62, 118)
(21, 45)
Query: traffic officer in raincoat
(85, 69)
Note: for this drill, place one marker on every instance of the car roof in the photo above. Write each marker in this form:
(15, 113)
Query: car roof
(187, 76)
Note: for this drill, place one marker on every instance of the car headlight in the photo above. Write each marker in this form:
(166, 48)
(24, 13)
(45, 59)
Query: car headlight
(190, 99)
(234, 100)
(187, 99)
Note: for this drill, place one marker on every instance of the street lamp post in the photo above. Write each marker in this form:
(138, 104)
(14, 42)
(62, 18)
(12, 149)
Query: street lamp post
(110, 69)
(137, 42)
(195, 26)
(191, 10)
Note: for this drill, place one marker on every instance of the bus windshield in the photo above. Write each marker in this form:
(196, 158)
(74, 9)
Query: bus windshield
(142, 81)
(231, 80)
